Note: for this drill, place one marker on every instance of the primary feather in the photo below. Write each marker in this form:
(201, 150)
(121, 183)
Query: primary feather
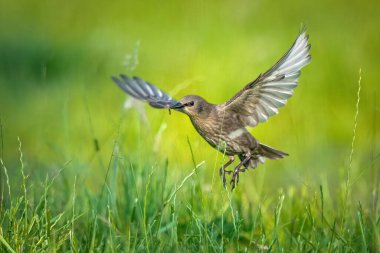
(144, 91)
(262, 98)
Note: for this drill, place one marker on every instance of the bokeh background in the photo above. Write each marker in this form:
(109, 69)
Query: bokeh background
(56, 94)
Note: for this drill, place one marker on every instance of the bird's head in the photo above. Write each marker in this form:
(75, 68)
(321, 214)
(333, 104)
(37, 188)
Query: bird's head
(193, 105)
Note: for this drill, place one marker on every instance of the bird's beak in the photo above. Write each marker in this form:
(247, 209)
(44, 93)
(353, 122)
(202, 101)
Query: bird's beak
(177, 105)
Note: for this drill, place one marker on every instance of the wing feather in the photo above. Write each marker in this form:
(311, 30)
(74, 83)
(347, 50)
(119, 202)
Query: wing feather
(262, 98)
(144, 91)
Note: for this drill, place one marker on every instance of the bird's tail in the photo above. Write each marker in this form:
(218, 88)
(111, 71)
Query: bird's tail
(264, 151)
(271, 153)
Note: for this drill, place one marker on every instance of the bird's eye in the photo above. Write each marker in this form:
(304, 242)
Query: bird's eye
(188, 104)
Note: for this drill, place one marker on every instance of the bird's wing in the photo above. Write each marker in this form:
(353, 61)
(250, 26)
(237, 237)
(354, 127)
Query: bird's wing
(144, 91)
(262, 98)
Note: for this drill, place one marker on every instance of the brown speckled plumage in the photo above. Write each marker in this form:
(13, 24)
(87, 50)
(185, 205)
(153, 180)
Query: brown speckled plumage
(223, 126)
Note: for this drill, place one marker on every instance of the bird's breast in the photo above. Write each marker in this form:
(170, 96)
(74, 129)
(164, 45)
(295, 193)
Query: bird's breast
(223, 135)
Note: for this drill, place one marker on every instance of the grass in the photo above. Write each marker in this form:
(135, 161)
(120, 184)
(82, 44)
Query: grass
(140, 214)
(138, 209)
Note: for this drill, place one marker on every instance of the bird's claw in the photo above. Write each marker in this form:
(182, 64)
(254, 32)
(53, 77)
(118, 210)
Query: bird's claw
(222, 173)
(235, 178)
(235, 172)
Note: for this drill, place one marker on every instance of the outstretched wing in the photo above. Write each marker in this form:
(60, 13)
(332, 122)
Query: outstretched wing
(144, 91)
(262, 98)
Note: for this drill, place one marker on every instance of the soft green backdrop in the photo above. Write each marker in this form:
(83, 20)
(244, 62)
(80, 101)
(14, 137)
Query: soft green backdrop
(56, 59)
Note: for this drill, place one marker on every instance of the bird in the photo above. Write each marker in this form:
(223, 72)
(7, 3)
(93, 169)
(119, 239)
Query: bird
(224, 126)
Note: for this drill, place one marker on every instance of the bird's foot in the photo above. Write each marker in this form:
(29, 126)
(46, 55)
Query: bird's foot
(222, 173)
(235, 177)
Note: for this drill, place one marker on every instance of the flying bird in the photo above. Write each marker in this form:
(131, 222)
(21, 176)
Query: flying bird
(223, 126)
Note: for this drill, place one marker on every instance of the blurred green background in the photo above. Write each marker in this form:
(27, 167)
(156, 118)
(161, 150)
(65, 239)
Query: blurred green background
(56, 60)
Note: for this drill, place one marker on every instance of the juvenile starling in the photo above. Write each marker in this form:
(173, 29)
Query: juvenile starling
(223, 126)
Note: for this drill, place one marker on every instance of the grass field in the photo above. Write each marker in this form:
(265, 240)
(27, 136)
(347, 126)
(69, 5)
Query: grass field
(82, 172)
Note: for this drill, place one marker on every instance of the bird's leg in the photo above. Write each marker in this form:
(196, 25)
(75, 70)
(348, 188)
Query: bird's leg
(223, 171)
(235, 175)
